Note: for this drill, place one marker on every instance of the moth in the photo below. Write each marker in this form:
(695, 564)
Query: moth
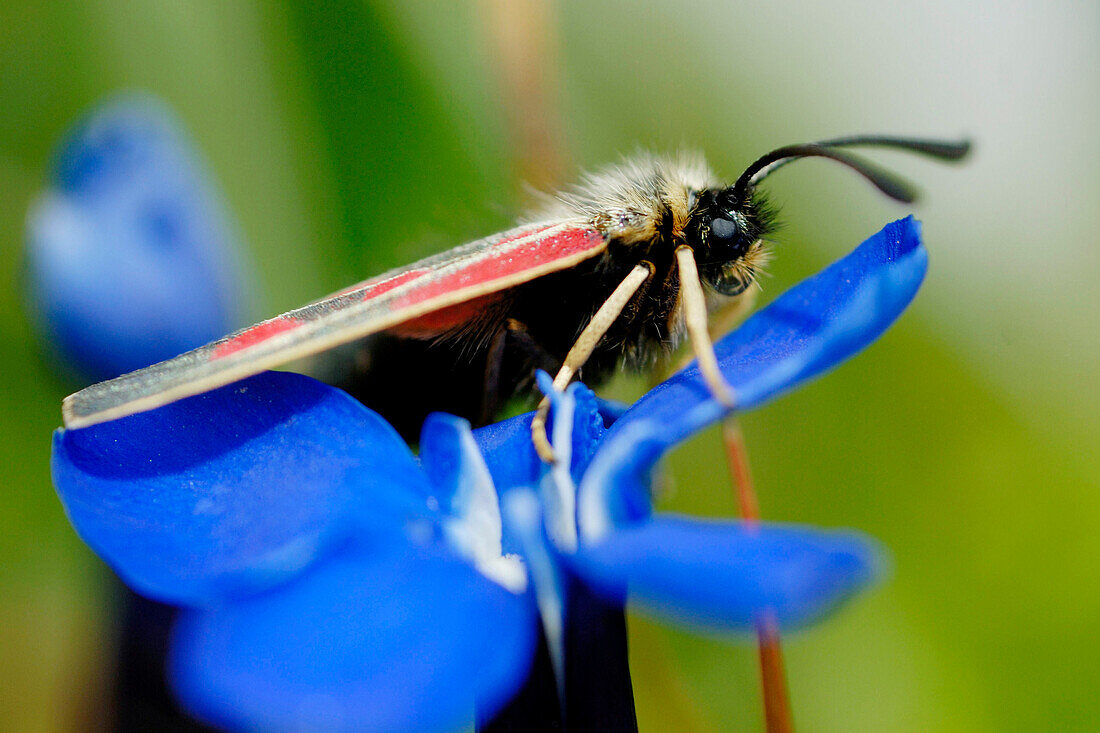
(615, 270)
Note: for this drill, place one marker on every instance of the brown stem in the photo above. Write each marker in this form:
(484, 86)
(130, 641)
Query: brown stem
(773, 678)
(737, 456)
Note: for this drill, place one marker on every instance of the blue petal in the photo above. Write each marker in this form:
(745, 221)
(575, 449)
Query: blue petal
(611, 410)
(463, 489)
(132, 258)
(809, 329)
(377, 638)
(728, 575)
(234, 490)
(454, 466)
(511, 458)
(509, 452)
(587, 427)
(512, 462)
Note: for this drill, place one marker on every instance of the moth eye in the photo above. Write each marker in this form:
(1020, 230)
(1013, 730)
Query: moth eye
(722, 228)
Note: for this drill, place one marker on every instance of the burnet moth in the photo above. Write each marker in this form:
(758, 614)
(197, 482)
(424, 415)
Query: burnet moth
(615, 270)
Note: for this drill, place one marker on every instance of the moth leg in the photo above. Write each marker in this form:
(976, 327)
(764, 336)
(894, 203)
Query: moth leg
(722, 321)
(511, 331)
(583, 348)
(695, 318)
(494, 361)
(518, 332)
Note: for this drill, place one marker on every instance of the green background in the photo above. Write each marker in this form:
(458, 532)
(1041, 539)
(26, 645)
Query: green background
(356, 136)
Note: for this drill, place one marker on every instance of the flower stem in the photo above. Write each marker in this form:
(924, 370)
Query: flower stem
(773, 678)
(737, 456)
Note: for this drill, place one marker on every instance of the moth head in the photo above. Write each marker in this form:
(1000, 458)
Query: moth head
(726, 226)
(725, 232)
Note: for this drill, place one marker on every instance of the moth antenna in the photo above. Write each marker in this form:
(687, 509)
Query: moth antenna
(891, 185)
(947, 150)
(888, 183)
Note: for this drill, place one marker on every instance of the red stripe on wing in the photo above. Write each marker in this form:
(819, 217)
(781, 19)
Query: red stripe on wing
(494, 265)
(280, 324)
(254, 335)
(374, 287)
(521, 252)
(373, 291)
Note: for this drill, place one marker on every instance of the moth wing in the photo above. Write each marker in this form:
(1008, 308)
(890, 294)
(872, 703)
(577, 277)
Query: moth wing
(470, 271)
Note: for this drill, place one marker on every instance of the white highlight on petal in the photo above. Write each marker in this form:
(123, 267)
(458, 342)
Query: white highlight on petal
(559, 493)
(474, 527)
(507, 571)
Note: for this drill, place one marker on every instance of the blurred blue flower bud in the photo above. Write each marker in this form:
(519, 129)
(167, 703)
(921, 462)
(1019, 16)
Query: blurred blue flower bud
(132, 257)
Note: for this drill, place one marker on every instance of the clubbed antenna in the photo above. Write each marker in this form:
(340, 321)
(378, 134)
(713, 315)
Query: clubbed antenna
(891, 185)
(940, 149)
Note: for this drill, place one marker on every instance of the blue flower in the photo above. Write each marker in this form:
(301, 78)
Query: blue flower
(334, 580)
(131, 258)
